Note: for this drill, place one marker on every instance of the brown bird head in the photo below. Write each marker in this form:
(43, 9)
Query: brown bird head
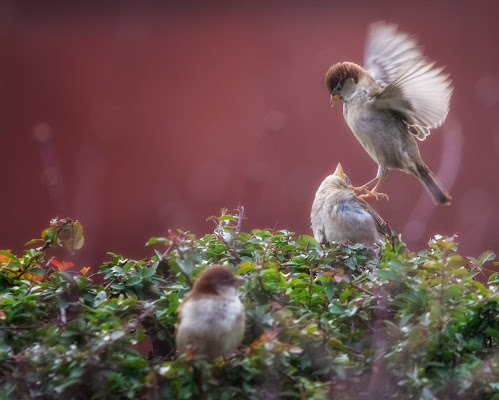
(216, 280)
(342, 77)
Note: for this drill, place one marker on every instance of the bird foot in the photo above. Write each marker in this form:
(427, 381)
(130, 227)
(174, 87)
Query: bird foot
(372, 193)
(361, 189)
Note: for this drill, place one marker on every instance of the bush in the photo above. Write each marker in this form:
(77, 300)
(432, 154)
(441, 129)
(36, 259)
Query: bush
(323, 321)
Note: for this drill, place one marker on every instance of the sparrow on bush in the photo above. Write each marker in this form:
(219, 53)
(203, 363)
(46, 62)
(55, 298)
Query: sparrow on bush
(338, 214)
(395, 99)
(211, 317)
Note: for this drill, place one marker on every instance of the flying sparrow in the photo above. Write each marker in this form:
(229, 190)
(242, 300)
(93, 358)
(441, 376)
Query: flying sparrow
(395, 99)
(211, 317)
(338, 214)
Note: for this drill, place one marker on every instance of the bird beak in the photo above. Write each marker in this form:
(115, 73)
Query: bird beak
(239, 280)
(339, 171)
(334, 99)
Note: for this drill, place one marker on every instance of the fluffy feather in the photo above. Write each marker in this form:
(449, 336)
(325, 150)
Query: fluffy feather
(211, 317)
(338, 215)
(411, 85)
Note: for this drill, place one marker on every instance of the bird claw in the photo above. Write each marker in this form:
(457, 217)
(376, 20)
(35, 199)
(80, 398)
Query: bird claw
(360, 189)
(373, 193)
(366, 193)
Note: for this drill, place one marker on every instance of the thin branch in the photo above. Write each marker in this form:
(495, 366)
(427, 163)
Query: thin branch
(19, 327)
(220, 236)
(240, 217)
(139, 319)
(167, 252)
(362, 289)
(187, 278)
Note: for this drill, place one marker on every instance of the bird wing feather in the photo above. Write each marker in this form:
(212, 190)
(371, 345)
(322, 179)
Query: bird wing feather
(382, 226)
(411, 85)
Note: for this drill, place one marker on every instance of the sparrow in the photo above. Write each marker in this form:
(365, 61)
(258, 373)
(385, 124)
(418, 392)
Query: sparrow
(211, 316)
(338, 214)
(395, 99)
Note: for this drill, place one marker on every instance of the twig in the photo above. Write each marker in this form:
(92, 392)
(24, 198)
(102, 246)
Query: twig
(310, 283)
(140, 318)
(14, 328)
(220, 236)
(274, 228)
(442, 284)
(362, 289)
(187, 278)
(109, 284)
(167, 252)
(240, 217)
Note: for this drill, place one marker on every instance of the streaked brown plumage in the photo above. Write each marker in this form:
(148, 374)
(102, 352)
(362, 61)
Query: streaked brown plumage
(338, 214)
(211, 317)
(397, 97)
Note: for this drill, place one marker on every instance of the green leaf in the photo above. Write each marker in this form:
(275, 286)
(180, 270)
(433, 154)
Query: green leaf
(69, 333)
(227, 218)
(37, 271)
(245, 267)
(336, 308)
(494, 278)
(70, 236)
(186, 265)
(10, 255)
(345, 294)
(306, 240)
(132, 281)
(351, 263)
(453, 291)
(405, 318)
(48, 234)
(78, 235)
(330, 289)
(155, 240)
(100, 298)
(486, 256)
(387, 274)
(459, 271)
(492, 332)
(147, 272)
(118, 286)
(33, 241)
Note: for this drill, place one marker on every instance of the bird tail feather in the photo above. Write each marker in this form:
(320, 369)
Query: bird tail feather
(439, 194)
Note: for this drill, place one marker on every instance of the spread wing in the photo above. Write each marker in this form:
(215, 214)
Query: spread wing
(411, 85)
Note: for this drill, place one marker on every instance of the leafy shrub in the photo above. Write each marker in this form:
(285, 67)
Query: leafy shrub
(323, 321)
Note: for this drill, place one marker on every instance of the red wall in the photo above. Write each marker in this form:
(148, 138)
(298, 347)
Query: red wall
(139, 118)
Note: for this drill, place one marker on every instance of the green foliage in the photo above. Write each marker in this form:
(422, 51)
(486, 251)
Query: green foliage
(323, 321)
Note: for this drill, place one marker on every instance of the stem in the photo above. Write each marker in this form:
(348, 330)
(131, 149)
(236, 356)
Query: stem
(240, 217)
(310, 283)
(442, 284)
(362, 289)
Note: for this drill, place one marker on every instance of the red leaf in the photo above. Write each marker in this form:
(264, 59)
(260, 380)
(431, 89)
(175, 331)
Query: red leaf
(53, 261)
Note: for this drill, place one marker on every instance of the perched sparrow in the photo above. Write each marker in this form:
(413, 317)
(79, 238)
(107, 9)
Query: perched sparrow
(338, 214)
(396, 98)
(211, 317)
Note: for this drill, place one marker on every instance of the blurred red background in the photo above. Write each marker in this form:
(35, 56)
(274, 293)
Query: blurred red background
(136, 118)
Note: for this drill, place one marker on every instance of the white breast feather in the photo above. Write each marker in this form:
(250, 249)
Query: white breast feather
(211, 316)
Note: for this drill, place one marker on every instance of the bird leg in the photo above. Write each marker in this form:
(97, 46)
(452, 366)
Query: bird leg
(364, 189)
